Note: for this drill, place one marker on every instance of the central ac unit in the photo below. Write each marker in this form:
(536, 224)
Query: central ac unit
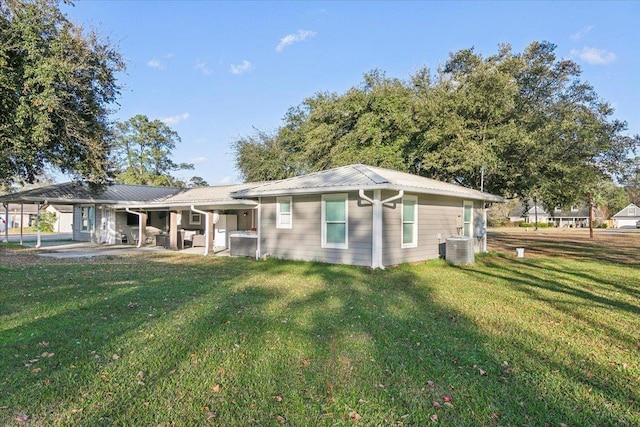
(460, 250)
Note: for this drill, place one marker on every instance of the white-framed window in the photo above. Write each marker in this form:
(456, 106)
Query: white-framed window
(195, 218)
(284, 209)
(88, 218)
(467, 218)
(632, 211)
(410, 221)
(335, 221)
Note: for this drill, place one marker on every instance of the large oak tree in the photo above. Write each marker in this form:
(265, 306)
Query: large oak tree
(57, 83)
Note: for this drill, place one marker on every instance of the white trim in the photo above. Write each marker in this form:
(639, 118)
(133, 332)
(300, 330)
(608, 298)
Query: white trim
(92, 221)
(280, 215)
(414, 238)
(465, 204)
(192, 215)
(207, 228)
(344, 197)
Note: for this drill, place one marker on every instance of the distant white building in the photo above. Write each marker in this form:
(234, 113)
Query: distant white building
(627, 217)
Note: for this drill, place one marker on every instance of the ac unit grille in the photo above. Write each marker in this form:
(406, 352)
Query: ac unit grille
(459, 250)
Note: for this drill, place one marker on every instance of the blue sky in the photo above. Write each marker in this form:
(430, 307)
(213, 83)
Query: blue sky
(214, 71)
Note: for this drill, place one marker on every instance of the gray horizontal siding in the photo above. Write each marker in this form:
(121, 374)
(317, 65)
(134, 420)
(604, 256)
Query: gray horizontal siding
(304, 241)
(436, 215)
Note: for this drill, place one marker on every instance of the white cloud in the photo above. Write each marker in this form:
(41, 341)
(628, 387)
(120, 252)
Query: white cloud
(202, 66)
(174, 120)
(156, 63)
(241, 68)
(290, 39)
(580, 34)
(199, 160)
(594, 56)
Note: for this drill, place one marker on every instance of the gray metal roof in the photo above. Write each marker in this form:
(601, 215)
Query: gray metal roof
(73, 192)
(356, 177)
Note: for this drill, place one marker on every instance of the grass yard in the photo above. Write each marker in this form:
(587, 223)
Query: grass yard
(168, 339)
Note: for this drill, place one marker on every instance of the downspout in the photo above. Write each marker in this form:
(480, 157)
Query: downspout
(259, 229)
(376, 238)
(207, 230)
(139, 226)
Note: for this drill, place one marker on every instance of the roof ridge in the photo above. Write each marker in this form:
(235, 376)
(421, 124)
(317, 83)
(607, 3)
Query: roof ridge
(372, 175)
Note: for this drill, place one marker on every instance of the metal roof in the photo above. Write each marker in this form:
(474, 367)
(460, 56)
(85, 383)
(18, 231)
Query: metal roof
(356, 177)
(73, 192)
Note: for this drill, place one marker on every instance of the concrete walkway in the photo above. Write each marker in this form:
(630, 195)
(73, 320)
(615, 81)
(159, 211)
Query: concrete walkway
(70, 249)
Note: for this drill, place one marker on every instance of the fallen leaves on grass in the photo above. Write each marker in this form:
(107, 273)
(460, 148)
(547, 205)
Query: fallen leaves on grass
(354, 417)
(281, 419)
(21, 418)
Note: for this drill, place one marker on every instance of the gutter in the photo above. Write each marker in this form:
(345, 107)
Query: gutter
(139, 225)
(376, 237)
(207, 229)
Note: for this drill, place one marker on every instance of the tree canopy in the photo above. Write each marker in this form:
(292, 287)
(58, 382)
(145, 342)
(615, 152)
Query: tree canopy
(523, 122)
(56, 85)
(142, 153)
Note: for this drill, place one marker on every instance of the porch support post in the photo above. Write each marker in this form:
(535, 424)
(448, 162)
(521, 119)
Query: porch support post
(6, 222)
(21, 222)
(38, 236)
(173, 230)
(259, 229)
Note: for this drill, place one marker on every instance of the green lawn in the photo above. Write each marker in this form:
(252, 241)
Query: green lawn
(168, 339)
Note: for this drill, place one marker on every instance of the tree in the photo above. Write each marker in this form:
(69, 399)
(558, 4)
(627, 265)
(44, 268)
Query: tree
(631, 178)
(197, 181)
(515, 124)
(142, 152)
(56, 85)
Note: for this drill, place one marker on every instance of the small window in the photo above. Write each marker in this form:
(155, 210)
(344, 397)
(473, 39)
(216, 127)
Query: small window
(335, 226)
(284, 208)
(409, 222)
(88, 218)
(467, 219)
(632, 211)
(195, 219)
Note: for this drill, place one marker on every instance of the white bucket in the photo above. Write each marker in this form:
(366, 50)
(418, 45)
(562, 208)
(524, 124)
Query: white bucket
(520, 252)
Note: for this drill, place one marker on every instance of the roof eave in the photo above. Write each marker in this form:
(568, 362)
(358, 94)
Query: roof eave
(336, 189)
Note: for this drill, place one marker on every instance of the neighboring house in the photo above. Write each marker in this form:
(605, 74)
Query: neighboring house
(520, 213)
(64, 218)
(627, 217)
(354, 214)
(574, 217)
(20, 214)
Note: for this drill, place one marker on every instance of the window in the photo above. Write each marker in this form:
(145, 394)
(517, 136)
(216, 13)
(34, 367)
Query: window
(632, 211)
(284, 212)
(467, 219)
(88, 218)
(195, 219)
(335, 227)
(409, 221)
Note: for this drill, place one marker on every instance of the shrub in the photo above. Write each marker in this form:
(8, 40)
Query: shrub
(525, 224)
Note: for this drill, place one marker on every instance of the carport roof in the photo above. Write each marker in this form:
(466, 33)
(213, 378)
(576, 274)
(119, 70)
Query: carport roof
(73, 192)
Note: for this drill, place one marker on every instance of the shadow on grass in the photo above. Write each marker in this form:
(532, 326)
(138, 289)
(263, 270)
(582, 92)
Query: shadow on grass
(236, 342)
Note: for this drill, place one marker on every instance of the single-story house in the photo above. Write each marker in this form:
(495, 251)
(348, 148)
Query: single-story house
(356, 214)
(573, 217)
(20, 215)
(64, 218)
(627, 217)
